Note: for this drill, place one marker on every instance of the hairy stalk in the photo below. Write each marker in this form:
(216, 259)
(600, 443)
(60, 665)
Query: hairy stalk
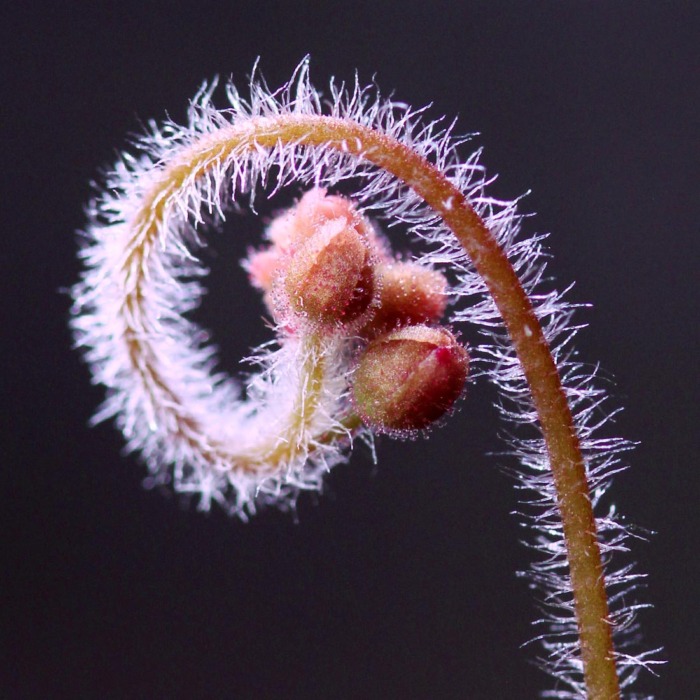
(359, 346)
(557, 425)
(144, 361)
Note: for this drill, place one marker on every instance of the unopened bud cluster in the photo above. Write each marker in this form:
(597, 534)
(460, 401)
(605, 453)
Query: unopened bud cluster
(328, 271)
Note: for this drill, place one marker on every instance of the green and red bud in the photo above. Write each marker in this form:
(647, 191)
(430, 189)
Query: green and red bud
(409, 378)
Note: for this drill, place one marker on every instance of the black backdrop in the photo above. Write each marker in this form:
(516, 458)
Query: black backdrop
(400, 580)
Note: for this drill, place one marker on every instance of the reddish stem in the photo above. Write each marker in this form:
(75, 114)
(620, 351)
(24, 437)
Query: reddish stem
(549, 399)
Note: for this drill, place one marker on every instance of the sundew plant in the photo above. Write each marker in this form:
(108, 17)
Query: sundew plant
(366, 341)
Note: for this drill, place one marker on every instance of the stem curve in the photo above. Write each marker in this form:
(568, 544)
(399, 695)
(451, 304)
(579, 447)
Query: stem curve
(555, 417)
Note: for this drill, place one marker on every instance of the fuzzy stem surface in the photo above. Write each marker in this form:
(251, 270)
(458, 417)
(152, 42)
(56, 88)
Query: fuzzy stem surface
(556, 422)
(555, 417)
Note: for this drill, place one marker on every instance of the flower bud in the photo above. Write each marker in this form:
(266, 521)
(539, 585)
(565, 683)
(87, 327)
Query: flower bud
(410, 294)
(407, 379)
(297, 224)
(330, 278)
(262, 266)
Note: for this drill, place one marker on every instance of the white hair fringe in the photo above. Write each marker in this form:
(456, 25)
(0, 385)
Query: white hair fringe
(241, 418)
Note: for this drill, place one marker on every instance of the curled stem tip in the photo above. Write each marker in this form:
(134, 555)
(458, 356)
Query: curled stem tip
(352, 321)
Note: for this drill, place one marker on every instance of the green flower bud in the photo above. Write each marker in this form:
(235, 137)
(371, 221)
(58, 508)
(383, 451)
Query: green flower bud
(407, 379)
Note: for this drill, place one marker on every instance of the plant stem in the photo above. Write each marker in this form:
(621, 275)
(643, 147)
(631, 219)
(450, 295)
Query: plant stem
(556, 422)
(540, 369)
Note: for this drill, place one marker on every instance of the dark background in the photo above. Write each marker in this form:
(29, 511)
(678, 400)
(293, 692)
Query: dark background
(400, 580)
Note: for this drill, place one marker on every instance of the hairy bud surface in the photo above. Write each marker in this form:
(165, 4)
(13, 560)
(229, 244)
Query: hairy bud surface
(409, 378)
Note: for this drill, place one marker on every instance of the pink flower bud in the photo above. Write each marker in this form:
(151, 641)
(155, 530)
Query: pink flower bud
(409, 378)
(330, 278)
(410, 294)
(262, 267)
